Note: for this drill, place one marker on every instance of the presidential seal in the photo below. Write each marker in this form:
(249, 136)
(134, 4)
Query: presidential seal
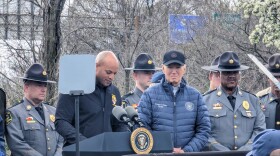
(141, 141)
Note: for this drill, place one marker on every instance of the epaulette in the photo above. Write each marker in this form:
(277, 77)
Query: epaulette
(127, 95)
(17, 103)
(263, 95)
(249, 92)
(209, 91)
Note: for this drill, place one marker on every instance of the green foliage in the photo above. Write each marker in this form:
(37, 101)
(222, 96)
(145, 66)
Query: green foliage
(267, 30)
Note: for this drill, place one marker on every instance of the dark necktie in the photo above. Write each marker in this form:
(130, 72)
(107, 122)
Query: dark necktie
(231, 99)
(41, 112)
(277, 115)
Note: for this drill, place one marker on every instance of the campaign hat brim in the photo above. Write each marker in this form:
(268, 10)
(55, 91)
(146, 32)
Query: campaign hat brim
(48, 81)
(209, 68)
(240, 68)
(157, 68)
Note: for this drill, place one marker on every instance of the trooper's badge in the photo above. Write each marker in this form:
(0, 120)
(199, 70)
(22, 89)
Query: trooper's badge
(141, 141)
(246, 105)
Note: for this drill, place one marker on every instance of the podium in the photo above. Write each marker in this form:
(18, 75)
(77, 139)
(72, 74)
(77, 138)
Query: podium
(117, 144)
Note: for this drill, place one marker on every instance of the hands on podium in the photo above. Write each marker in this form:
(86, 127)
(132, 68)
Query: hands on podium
(178, 150)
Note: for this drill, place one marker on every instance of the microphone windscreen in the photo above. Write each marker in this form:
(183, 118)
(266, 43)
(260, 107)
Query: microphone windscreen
(118, 112)
(131, 112)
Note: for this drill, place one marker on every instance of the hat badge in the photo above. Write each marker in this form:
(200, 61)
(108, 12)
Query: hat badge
(231, 61)
(150, 61)
(44, 73)
(277, 65)
(173, 55)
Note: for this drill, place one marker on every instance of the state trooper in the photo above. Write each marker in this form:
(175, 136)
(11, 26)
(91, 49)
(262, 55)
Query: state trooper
(236, 115)
(143, 70)
(30, 123)
(270, 102)
(214, 75)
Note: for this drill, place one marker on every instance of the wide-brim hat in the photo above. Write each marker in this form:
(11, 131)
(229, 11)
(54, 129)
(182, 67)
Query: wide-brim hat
(143, 62)
(214, 63)
(229, 61)
(274, 64)
(36, 73)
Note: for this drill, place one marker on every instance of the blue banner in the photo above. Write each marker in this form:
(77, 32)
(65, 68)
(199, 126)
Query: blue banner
(182, 28)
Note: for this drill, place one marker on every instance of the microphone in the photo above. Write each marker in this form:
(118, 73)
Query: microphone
(121, 115)
(133, 115)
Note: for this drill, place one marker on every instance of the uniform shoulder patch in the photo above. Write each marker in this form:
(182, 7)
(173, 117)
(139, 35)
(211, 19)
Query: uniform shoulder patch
(127, 95)
(209, 91)
(9, 117)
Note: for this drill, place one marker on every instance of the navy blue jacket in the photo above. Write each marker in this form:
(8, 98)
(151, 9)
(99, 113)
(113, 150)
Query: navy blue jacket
(184, 115)
(95, 114)
(2, 141)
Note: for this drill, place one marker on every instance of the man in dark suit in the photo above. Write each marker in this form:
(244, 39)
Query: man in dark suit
(95, 108)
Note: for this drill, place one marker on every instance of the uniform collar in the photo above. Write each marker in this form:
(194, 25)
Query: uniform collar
(271, 97)
(138, 92)
(235, 92)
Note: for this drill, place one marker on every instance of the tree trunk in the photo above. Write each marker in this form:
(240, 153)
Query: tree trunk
(51, 43)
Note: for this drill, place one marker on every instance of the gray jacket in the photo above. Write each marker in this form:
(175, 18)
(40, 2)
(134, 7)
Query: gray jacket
(233, 129)
(27, 134)
(268, 105)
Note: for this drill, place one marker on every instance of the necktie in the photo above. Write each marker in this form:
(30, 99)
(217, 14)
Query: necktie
(231, 99)
(277, 115)
(41, 112)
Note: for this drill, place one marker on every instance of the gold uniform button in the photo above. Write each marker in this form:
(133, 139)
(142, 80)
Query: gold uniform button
(235, 126)
(235, 137)
(217, 115)
(235, 116)
(47, 129)
(235, 148)
(48, 139)
(49, 148)
(278, 123)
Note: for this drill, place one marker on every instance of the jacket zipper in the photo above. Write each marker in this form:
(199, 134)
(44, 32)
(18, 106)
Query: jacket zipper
(175, 120)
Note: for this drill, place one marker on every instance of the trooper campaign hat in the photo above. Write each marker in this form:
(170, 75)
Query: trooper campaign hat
(229, 61)
(36, 73)
(274, 64)
(174, 57)
(143, 62)
(214, 63)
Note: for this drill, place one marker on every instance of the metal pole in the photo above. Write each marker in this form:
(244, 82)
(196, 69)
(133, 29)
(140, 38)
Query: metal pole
(77, 125)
